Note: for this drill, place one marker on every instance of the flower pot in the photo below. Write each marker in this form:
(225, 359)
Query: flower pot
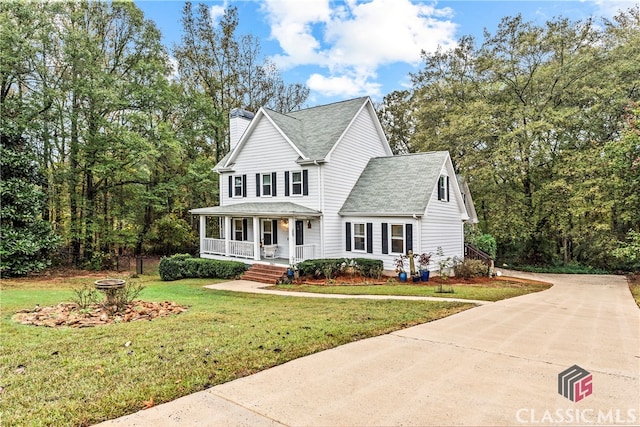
(416, 278)
(290, 273)
(424, 275)
(402, 276)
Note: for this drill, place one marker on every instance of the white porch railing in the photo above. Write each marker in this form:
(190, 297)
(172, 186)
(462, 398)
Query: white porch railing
(305, 252)
(213, 246)
(241, 249)
(236, 248)
(245, 249)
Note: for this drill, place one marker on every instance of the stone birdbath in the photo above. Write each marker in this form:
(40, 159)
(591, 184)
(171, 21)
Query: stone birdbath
(110, 287)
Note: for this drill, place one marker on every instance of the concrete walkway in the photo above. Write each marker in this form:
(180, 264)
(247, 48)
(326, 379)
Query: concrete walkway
(496, 364)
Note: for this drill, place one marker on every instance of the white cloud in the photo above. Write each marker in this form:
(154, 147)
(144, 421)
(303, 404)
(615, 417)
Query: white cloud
(351, 39)
(216, 12)
(610, 8)
(344, 86)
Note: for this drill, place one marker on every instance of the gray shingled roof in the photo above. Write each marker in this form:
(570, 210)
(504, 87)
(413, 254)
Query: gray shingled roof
(253, 208)
(316, 130)
(395, 185)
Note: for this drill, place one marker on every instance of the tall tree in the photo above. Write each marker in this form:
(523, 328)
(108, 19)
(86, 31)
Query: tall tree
(221, 71)
(526, 116)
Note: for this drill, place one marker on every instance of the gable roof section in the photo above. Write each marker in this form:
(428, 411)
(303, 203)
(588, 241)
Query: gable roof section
(396, 185)
(316, 130)
(313, 131)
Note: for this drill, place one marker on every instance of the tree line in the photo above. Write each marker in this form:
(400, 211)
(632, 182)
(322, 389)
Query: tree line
(106, 141)
(543, 122)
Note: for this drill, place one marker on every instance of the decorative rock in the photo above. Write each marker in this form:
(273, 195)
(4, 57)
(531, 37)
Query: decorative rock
(68, 314)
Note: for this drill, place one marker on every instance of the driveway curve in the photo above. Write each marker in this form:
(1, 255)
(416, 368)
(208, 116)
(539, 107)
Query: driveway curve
(496, 364)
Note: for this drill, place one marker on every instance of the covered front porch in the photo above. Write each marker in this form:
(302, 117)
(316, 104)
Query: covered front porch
(260, 232)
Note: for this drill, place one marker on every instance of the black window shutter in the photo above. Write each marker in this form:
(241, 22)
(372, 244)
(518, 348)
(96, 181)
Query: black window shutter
(257, 185)
(447, 189)
(347, 233)
(286, 183)
(305, 182)
(273, 184)
(274, 231)
(244, 185)
(230, 186)
(408, 230)
(440, 188)
(244, 229)
(369, 238)
(385, 238)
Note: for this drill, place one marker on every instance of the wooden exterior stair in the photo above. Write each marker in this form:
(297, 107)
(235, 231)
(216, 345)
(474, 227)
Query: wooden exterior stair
(265, 273)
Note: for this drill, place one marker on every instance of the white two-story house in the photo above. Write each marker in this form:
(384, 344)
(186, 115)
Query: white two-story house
(323, 183)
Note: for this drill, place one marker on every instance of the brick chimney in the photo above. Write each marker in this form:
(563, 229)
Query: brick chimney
(239, 120)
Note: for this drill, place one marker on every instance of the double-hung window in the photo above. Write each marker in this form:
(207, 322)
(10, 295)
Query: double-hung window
(296, 183)
(237, 186)
(397, 238)
(359, 237)
(443, 188)
(266, 184)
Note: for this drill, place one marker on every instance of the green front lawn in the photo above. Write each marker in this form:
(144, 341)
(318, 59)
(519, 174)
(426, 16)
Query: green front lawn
(72, 376)
(493, 290)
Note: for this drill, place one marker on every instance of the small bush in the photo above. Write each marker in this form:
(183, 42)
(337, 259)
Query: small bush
(328, 268)
(469, 268)
(184, 266)
(369, 267)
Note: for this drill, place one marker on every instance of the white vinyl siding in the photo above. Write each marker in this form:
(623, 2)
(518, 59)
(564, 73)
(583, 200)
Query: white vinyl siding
(266, 151)
(442, 224)
(346, 163)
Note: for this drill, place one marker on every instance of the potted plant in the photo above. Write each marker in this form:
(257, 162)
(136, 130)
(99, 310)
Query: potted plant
(399, 264)
(423, 261)
(291, 271)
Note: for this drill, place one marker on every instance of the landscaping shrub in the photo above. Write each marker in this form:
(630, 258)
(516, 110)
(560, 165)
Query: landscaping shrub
(469, 268)
(328, 268)
(184, 266)
(369, 267)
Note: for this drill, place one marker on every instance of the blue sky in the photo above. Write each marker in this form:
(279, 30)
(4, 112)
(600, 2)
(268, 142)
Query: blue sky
(349, 48)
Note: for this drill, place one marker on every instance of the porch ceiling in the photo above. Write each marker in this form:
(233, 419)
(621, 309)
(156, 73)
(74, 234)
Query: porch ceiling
(262, 209)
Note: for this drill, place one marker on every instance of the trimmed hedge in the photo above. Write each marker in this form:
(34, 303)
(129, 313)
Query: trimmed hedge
(184, 266)
(328, 268)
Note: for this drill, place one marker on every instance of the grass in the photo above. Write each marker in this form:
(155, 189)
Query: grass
(494, 290)
(560, 269)
(74, 377)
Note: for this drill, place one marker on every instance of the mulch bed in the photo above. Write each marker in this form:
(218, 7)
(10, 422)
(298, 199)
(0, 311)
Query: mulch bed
(69, 314)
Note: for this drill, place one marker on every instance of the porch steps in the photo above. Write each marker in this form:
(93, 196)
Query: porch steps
(265, 273)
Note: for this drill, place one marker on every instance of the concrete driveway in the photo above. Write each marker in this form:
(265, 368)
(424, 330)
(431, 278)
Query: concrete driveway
(496, 364)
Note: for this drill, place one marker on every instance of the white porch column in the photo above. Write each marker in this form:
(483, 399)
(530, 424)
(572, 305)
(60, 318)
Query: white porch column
(227, 234)
(292, 240)
(256, 238)
(203, 232)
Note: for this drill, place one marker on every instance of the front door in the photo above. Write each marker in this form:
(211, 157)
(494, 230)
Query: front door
(299, 233)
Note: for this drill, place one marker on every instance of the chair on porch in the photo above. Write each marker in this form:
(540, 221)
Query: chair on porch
(270, 251)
